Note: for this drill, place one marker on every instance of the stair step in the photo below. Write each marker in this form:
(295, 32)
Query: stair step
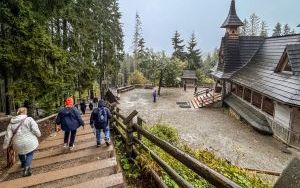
(108, 181)
(102, 153)
(60, 150)
(59, 174)
(60, 135)
(54, 143)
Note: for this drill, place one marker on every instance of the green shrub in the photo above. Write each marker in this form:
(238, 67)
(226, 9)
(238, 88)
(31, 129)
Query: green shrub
(137, 78)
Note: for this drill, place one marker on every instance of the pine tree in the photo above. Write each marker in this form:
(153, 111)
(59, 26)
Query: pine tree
(137, 34)
(193, 54)
(254, 24)
(245, 28)
(277, 30)
(286, 29)
(178, 47)
(264, 29)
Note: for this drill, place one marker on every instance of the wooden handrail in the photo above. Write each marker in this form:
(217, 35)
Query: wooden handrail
(201, 169)
(212, 176)
(38, 121)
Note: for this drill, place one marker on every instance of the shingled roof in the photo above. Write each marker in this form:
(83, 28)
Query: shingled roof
(259, 74)
(237, 53)
(189, 74)
(232, 18)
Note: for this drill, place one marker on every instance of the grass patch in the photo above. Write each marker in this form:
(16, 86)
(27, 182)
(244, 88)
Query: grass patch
(170, 134)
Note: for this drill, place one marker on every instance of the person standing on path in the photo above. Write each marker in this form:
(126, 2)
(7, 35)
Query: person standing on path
(154, 94)
(100, 121)
(82, 106)
(22, 133)
(70, 120)
(184, 86)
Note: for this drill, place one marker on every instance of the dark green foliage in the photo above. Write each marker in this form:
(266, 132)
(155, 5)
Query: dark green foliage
(50, 49)
(178, 47)
(193, 54)
(277, 30)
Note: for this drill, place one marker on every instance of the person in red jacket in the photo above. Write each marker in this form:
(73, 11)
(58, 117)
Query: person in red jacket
(70, 120)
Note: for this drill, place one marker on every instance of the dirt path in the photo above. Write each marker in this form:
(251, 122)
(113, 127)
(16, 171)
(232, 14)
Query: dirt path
(209, 128)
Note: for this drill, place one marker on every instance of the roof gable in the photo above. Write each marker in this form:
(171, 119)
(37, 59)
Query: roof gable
(259, 73)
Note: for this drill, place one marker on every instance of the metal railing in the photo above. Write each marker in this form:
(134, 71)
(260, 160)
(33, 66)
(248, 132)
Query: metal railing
(126, 127)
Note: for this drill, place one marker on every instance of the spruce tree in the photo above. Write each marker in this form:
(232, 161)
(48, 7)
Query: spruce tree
(264, 29)
(137, 34)
(193, 54)
(178, 47)
(286, 29)
(277, 30)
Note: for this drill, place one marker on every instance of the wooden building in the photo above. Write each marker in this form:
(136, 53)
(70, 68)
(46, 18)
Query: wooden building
(189, 78)
(260, 79)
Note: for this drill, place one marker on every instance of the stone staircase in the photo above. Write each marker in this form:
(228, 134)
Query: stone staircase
(206, 100)
(55, 166)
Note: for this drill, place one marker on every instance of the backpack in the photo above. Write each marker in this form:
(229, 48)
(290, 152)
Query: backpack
(101, 117)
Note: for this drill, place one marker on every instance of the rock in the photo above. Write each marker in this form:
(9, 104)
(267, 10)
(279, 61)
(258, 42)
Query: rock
(290, 177)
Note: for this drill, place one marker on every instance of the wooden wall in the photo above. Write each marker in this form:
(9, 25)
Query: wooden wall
(296, 120)
(283, 115)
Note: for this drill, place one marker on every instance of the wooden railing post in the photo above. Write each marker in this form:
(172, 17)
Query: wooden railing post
(129, 133)
(140, 123)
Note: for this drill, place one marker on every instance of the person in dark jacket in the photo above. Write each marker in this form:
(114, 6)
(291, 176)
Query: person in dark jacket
(100, 121)
(70, 120)
(82, 106)
(154, 94)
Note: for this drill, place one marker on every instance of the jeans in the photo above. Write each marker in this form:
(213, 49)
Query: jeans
(70, 138)
(26, 159)
(106, 132)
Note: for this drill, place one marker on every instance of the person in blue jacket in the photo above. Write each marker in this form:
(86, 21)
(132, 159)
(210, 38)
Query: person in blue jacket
(70, 120)
(100, 121)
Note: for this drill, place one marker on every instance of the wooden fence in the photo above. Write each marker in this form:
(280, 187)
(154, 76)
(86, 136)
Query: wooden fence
(126, 126)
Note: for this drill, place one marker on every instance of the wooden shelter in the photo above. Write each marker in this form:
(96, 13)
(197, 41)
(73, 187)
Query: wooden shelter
(189, 78)
(260, 79)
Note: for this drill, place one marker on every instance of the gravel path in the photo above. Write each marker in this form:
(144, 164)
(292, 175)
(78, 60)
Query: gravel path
(209, 128)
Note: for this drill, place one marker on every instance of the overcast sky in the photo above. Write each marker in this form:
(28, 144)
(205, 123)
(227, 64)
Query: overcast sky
(160, 19)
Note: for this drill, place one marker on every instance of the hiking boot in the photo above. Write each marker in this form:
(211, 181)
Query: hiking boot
(65, 145)
(26, 172)
(107, 142)
(98, 145)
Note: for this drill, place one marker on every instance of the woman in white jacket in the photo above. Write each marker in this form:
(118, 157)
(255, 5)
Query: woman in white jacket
(25, 131)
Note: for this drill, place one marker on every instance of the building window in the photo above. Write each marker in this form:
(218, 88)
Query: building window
(233, 88)
(256, 100)
(247, 95)
(268, 106)
(240, 91)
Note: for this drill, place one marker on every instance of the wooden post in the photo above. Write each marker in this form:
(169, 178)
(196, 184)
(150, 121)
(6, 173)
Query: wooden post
(129, 139)
(129, 133)
(140, 123)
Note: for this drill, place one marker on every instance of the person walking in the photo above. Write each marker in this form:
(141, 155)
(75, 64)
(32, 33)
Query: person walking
(22, 133)
(154, 94)
(70, 120)
(100, 121)
(82, 106)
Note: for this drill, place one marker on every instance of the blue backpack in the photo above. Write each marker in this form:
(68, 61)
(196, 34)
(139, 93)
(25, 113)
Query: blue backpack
(102, 117)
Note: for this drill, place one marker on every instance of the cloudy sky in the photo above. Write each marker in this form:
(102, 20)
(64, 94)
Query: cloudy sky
(160, 19)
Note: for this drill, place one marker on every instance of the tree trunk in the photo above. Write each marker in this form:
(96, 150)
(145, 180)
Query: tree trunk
(160, 82)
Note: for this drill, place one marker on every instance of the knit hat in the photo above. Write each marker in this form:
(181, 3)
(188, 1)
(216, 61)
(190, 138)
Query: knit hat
(69, 102)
